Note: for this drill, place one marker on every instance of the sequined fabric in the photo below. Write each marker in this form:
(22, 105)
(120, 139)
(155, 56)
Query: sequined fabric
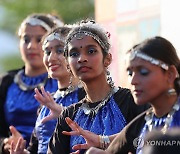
(109, 120)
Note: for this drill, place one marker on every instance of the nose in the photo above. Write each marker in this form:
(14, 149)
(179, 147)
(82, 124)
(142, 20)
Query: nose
(82, 58)
(32, 44)
(134, 79)
(52, 56)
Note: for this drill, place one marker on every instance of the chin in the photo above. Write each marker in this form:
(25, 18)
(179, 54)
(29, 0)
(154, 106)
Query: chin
(139, 101)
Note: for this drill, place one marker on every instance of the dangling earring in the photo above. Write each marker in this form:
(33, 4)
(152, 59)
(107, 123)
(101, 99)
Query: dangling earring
(70, 87)
(171, 92)
(109, 79)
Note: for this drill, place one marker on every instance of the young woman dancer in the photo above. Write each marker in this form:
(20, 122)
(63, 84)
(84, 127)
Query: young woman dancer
(153, 69)
(106, 109)
(17, 86)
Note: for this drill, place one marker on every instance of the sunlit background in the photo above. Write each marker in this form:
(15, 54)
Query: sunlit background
(128, 21)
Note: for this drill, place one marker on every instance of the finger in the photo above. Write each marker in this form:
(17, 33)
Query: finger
(44, 92)
(23, 145)
(72, 124)
(12, 147)
(76, 152)
(70, 133)
(5, 141)
(36, 91)
(20, 145)
(14, 132)
(80, 146)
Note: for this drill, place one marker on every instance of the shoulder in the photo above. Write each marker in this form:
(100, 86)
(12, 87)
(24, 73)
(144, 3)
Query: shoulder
(122, 93)
(123, 96)
(71, 110)
(7, 78)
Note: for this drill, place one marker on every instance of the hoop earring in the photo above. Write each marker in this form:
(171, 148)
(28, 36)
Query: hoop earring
(109, 79)
(171, 92)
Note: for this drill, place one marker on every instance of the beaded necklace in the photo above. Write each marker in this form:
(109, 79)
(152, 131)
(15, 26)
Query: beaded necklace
(23, 86)
(169, 118)
(85, 105)
(63, 92)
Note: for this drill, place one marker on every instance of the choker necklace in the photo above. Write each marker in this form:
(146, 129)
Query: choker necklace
(85, 106)
(63, 92)
(23, 86)
(169, 118)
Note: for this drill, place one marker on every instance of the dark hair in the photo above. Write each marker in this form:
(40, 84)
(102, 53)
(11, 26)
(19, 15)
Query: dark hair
(95, 29)
(161, 49)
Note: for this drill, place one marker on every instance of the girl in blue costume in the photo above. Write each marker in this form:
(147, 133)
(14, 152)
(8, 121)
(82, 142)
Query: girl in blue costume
(106, 109)
(18, 107)
(68, 91)
(153, 69)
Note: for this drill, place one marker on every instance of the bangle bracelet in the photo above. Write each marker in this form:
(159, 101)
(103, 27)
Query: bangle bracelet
(104, 141)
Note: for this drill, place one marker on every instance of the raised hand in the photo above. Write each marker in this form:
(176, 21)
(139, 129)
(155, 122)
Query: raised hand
(92, 140)
(13, 138)
(45, 98)
(19, 147)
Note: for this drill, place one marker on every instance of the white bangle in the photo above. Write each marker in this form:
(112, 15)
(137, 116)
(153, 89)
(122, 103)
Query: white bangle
(104, 141)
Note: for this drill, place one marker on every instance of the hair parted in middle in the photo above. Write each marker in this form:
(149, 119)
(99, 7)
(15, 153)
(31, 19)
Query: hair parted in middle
(89, 28)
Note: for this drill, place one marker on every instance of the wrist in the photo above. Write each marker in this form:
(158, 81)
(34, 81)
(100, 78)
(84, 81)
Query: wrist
(104, 141)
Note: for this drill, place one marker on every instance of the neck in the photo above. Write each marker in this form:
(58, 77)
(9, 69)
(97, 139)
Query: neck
(164, 106)
(96, 90)
(64, 82)
(30, 71)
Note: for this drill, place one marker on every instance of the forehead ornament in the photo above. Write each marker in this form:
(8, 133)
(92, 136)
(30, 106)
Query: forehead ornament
(35, 22)
(79, 35)
(51, 37)
(146, 57)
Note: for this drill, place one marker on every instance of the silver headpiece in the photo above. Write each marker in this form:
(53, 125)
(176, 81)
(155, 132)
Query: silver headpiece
(80, 33)
(51, 37)
(34, 22)
(152, 60)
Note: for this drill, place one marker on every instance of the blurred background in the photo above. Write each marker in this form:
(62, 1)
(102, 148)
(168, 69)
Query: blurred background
(128, 21)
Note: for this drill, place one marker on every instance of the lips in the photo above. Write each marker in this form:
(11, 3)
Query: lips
(32, 55)
(84, 69)
(53, 67)
(137, 92)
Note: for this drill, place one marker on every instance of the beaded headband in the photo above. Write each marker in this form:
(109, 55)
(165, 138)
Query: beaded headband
(35, 22)
(80, 34)
(144, 56)
(51, 37)
(56, 21)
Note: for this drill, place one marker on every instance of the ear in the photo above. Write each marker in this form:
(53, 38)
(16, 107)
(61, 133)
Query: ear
(107, 60)
(172, 74)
